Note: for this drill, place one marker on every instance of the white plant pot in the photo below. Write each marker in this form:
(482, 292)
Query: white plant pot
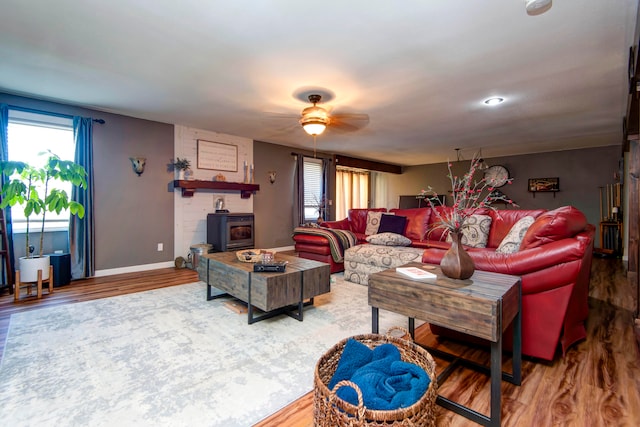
(29, 268)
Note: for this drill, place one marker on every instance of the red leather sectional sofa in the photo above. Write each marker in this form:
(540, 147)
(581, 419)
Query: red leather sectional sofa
(317, 247)
(554, 262)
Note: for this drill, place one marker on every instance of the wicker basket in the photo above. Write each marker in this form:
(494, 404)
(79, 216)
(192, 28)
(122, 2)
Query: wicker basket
(331, 411)
(249, 255)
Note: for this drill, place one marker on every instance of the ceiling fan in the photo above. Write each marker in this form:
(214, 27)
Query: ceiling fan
(314, 120)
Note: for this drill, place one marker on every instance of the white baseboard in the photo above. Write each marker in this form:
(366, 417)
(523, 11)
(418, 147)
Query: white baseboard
(282, 249)
(156, 266)
(134, 269)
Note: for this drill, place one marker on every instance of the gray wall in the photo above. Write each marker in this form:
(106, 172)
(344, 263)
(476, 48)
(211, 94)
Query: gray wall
(273, 204)
(581, 173)
(133, 213)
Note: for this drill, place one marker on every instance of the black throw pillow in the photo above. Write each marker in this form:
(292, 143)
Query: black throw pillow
(392, 224)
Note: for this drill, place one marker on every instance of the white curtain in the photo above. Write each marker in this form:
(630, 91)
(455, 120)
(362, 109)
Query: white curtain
(352, 191)
(379, 190)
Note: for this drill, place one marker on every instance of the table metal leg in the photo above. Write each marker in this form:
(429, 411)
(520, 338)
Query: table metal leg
(496, 380)
(517, 344)
(288, 310)
(374, 320)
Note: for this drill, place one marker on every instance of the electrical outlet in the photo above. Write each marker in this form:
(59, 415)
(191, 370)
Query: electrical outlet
(160, 247)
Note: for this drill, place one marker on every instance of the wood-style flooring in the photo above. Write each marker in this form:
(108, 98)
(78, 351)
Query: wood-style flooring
(597, 383)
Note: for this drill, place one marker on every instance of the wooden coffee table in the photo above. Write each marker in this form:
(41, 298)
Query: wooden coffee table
(273, 293)
(483, 306)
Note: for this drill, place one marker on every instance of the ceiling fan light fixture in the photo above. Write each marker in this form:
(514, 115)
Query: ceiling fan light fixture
(313, 127)
(314, 120)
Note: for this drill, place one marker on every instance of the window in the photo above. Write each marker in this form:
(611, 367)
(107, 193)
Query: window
(352, 190)
(313, 189)
(30, 134)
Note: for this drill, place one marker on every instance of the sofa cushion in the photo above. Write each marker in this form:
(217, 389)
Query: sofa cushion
(434, 231)
(502, 220)
(373, 222)
(511, 242)
(475, 231)
(389, 239)
(417, 222)
(358, 218)
(392, 224)
(362, 260)
(554, 225)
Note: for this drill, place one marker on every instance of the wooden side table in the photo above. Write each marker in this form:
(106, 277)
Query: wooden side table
(29, 285)
(482, 306)
(610, 237)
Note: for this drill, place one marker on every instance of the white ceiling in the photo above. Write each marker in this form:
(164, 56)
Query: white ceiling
(419, 69)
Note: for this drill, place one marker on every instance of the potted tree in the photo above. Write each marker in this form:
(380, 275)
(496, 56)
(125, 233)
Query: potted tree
(29, 186)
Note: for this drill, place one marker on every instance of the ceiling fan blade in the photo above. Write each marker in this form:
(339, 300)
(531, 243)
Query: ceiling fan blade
(284, 130)
(273, 115)
(351, 116)
(348, 122)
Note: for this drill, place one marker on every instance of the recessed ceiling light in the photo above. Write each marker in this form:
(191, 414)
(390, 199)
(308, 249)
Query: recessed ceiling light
(537, 7)
(494, 101)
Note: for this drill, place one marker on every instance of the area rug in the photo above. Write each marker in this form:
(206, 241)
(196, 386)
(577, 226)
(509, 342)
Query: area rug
(168, 357)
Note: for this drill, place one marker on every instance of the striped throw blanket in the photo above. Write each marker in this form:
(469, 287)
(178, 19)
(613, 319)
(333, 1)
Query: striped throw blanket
(339, 240)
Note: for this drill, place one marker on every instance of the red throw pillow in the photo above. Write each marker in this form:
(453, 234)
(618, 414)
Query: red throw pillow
(417, 222)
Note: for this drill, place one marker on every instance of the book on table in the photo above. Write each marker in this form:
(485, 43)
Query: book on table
(415, 273)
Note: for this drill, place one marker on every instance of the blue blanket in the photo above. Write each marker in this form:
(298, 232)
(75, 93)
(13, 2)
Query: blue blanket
(386, 382)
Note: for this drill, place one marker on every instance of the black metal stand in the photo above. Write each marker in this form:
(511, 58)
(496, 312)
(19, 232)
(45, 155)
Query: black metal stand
(288, 310)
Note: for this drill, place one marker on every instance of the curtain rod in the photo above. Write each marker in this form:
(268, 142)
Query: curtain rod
(319, 156)
(49, 113)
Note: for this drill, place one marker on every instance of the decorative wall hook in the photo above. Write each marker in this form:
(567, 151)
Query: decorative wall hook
(138, 164)
(272, 176)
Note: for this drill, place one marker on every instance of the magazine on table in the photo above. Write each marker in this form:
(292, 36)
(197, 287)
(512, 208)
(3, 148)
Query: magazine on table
(416, 273)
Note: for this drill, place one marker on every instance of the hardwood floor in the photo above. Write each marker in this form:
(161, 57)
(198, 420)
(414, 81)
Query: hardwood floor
(597, 383)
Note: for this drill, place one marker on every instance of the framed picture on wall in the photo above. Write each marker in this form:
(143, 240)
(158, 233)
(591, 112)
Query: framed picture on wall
(544, 184)
(217, 156)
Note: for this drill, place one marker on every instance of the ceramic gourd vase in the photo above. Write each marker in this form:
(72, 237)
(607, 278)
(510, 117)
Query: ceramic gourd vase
(456, 263)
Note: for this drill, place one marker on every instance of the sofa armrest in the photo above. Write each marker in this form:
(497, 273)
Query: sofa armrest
(343, 224)
(530, 260)
(310, 239)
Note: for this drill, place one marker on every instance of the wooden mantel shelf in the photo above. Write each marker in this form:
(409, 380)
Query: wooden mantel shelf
(190, 186)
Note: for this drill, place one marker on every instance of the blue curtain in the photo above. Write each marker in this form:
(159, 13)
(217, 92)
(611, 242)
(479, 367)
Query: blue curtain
(82, 231)
(325, 188)
(298, 204)
(4, 155)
